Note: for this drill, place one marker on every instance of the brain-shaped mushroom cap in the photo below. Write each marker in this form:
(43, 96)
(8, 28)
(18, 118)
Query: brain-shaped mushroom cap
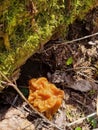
(45, 96)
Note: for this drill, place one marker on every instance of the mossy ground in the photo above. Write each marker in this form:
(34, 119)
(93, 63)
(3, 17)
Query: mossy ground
(26, 25)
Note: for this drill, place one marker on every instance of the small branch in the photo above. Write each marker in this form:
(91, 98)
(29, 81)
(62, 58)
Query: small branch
(27, 126)
(15, 99)
(95, 81)
(68, 42)
(97, 105)
(23, 97)
(81, 119)
(82, 38)
(79, 68)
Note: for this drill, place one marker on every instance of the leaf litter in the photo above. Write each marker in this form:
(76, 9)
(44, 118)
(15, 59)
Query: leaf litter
(73, 68)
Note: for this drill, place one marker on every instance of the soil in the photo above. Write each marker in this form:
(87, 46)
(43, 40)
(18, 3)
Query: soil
(71, 67)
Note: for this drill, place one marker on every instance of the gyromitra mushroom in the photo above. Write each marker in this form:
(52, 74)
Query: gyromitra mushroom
(45, 96)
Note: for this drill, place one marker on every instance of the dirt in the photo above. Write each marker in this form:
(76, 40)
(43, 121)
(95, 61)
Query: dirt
(71, 67)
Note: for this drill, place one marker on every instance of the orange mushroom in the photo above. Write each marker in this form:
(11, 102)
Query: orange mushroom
(45, 96)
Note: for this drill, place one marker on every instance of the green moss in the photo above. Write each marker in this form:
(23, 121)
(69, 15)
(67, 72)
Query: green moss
(29, 24)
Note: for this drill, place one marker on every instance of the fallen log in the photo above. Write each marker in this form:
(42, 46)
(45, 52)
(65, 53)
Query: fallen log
(25, 26)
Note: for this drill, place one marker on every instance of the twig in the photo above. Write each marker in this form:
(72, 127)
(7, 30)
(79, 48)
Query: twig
(95, 81)
(97, 105)
(81, 119)
(82, 38)
(78, 68)
(27, 126)
(23, 97)
(75, 40)
(1, 86)
(15, 99)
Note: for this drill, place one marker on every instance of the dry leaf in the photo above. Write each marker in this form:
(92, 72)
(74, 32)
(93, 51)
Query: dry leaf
(15, 119)
(84, 85)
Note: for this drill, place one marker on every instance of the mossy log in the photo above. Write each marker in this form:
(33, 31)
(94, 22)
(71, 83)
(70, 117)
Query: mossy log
(25, 25)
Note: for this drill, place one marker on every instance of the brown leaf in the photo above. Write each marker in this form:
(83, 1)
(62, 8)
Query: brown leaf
(84, 85)
(15, 119)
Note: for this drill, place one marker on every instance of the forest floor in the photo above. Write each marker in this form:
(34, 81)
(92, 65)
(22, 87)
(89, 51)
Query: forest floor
(73, 67)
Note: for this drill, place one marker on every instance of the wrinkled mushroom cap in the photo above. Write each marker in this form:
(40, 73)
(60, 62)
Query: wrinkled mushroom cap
(45, 96)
